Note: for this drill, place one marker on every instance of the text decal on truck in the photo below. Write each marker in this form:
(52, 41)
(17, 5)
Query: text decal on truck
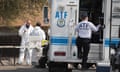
(61, 16)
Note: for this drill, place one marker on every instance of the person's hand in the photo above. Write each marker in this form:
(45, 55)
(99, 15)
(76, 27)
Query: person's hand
(102, 27)
(24, 31)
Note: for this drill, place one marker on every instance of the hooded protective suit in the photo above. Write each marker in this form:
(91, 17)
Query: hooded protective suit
(24, 32)
(37, 51)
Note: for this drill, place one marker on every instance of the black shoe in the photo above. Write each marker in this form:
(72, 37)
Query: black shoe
(76, 66)
(36, 66)
(84, 68)
(40, 66)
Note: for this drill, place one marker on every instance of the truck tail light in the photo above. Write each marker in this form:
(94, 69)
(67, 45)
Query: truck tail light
(59, 53)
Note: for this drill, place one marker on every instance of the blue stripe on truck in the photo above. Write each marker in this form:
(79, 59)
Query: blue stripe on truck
(112, 41)
(65, 40)
(61, 40)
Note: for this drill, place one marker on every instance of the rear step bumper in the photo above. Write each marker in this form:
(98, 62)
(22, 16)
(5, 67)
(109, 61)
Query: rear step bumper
(75, 60)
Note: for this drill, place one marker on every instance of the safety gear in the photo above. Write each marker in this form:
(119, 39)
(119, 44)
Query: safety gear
(37, 31)
(24, 32)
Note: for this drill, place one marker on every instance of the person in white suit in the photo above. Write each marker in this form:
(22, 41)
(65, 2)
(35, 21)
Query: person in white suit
(37, 51)
(25, 51)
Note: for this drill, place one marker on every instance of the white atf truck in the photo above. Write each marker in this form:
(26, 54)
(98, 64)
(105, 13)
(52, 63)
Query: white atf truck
(65, 14)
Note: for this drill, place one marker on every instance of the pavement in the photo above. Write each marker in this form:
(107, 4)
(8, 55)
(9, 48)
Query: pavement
(24, 68)
(21, 69)
(10, 67)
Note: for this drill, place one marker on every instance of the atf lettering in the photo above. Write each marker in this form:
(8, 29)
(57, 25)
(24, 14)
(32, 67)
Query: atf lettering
(60, 15)
(83, 26)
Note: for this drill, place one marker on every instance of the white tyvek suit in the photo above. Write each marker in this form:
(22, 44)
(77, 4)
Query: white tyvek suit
(37, 51)
(25, 33)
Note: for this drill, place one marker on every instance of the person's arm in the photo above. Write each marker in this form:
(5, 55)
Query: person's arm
(93, 27)
(43, 35)
(31, 29)
(21, 31)
(77, 28)
(49, 32)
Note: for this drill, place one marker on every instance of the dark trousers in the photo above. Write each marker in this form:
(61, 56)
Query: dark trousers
(83, 46)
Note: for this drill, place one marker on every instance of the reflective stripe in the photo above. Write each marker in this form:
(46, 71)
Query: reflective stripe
(113, 41)
(61, 40)
(64, 41)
